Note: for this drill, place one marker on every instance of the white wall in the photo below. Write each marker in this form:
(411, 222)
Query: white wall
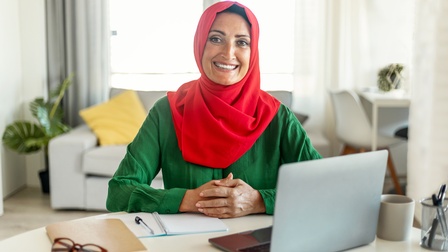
(11, 89)
(391, 27)
(34, 68)
(23, 73)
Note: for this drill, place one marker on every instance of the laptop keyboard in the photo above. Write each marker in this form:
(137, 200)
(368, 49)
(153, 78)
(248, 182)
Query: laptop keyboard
(265, 247)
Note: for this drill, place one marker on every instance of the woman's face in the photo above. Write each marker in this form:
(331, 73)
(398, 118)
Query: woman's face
(227, 52)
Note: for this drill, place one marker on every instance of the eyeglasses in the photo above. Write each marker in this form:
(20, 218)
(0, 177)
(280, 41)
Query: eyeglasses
(67, 245)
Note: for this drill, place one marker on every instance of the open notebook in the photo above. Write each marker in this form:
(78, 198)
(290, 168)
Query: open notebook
(329, 204)
(169, 224)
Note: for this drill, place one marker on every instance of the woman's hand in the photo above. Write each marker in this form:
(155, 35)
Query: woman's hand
(229, 198)
(192, 197)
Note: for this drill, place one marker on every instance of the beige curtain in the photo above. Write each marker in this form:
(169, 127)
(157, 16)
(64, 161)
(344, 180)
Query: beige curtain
(347, 52)
(347, 41)
(78, 37)
(428, 139)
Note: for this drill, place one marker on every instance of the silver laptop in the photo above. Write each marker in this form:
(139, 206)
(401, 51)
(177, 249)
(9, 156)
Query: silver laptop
(329, 204)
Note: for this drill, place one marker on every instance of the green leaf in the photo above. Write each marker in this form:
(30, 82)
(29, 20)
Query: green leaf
(27, 137)
(41, 110)
(59, 91)
(58, 94)
(57, 128)
(24, 137)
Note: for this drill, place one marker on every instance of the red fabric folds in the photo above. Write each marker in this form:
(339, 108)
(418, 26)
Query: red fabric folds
(216, 124)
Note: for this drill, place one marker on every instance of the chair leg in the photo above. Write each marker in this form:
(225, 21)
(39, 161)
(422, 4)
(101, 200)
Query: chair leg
(393, 174)
(348, 150)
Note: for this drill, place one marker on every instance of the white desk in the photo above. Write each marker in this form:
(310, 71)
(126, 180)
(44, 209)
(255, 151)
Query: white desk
(383, 100)
(37, 240)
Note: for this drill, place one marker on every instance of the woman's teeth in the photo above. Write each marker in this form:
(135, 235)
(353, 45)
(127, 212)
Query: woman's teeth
(227, 67)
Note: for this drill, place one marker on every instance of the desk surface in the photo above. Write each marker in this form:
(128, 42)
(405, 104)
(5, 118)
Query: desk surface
(392, 99)
(397, 98)
(37, 240)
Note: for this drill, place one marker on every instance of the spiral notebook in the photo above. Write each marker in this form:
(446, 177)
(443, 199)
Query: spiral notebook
(169, 224)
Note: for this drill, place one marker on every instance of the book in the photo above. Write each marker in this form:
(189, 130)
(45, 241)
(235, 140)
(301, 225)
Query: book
(169, 224)
(111, 234)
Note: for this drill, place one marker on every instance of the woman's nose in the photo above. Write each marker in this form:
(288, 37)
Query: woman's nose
(228, 51)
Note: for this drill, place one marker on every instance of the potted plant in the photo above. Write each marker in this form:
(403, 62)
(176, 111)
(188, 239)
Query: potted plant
(389, 77)
(28, 137)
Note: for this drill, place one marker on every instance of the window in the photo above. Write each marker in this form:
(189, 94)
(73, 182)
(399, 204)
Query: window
(152, 43)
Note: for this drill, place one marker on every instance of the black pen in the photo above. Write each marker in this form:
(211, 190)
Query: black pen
(438, 202)
(432, 232)
(139, 221)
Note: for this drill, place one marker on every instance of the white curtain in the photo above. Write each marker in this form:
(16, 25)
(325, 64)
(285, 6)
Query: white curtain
(348, 48)
(342, 44)
(347, 53)
(78, 38)
(428, 139)
(331, 51)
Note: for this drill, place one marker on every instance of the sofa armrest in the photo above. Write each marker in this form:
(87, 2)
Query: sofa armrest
(65, 154)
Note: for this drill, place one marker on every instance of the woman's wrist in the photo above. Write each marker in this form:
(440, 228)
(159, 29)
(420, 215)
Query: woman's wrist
(260, 207)
(184, 205)
(188, 203)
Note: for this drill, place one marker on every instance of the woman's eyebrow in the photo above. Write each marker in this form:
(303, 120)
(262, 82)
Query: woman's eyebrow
(223, 33)
(218, 31)
(243, 36)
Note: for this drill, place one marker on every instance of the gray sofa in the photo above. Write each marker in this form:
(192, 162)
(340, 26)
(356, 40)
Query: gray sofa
(80, 169)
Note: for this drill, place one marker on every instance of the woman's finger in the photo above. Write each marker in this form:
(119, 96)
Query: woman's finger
(229, 182)
(217, 192)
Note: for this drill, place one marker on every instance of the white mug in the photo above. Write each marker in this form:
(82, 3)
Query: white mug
(395, 218)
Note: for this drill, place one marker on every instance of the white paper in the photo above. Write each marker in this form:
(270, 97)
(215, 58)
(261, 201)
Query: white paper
(172, 224)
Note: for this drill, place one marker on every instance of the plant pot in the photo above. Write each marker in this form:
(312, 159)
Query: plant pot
(45, 181)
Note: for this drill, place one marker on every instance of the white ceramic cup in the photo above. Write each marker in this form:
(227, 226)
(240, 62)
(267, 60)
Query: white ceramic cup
(395, 218)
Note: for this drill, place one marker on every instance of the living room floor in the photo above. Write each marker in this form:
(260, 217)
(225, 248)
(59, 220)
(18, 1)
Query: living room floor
(29, 209)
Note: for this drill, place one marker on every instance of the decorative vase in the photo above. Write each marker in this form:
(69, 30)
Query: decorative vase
(389, 78)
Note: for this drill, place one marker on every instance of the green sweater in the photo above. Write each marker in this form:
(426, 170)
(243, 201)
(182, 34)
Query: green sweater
(155, 147)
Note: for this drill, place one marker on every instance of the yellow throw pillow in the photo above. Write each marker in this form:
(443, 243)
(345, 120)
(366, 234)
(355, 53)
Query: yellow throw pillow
(116, 121)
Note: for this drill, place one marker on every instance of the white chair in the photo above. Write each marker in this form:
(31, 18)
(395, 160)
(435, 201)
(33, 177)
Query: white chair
(354, 130)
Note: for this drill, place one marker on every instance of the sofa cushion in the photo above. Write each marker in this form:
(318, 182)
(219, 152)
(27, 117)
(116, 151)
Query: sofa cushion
(283, 96)
(148, 98)
(103, 160)
(116, 121)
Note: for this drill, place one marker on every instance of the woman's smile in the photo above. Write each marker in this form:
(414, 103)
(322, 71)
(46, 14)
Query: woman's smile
(225, 66)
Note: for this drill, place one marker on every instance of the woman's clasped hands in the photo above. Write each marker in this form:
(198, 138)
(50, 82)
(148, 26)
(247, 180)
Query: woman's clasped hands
(225, 198)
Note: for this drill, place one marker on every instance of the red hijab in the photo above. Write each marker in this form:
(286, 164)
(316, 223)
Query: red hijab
(216, 124)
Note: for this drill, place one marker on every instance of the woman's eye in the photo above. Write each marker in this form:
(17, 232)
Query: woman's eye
(243, 43)
(214, 39)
